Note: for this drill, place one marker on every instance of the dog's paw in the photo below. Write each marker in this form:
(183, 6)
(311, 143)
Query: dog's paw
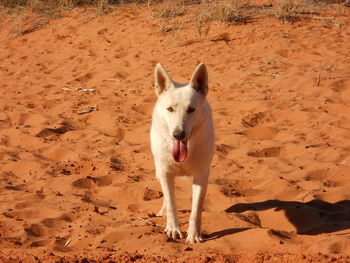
(173, 232)
(194, 237)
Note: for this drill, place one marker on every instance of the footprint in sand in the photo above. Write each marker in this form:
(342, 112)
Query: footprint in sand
(40, 234)
(223, 149)
(260, 133)
(17, 118)
(250, 217)
(64, 127)
(230, 191)
(228, 187)
(266, 152)
(89, 182)
(42, 243)
(283, 53)
(36, 230)
(145, 107)
(315, 175)
(105, 123)
(320, 176)
(340, 85)
(234, 188)
(151, 194)
(83, 79)
(58, 221)
(26, 204)
(255, 130)
(255, 119)
(24, 214)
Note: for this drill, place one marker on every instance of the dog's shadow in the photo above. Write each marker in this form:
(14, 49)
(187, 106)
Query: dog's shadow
(222, 233)
(310, 218)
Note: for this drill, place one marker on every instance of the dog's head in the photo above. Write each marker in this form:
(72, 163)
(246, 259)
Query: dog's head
(181, 104)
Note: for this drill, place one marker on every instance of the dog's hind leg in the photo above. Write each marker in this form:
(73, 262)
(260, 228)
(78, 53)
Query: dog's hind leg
(162, 211)
(167, 182)
(199, 189)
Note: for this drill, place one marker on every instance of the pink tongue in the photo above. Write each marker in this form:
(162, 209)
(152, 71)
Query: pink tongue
(179, 151)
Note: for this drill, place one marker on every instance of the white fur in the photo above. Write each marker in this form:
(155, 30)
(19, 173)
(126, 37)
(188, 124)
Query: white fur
(199, 130)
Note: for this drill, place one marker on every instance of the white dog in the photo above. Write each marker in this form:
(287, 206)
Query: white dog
(182, 141)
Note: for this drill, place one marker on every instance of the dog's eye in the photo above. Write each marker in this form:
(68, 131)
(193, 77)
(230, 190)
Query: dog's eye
(170, 109)
(190, 110)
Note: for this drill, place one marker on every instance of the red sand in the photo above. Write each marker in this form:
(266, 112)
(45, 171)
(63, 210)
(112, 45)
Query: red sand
(279, 189)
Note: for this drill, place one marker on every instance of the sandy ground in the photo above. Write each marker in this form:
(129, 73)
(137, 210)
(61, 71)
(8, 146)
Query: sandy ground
(81, 187)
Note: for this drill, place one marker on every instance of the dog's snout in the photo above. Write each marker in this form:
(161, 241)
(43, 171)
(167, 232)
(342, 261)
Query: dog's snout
(179, 135)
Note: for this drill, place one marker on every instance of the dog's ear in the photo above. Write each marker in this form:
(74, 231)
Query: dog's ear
(162, 79)
(199, 80)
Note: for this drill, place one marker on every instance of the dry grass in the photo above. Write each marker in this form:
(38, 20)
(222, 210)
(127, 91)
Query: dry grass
(228, 11)
(48, 3)
(202, 24)
(66, 3)
(170, 26)
(225, 11)
(169, 9)
(18, 22)
(286, 10)
(198, 13)
(54, 8)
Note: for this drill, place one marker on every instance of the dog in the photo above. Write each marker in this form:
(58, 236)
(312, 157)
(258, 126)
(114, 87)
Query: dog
(182, 143)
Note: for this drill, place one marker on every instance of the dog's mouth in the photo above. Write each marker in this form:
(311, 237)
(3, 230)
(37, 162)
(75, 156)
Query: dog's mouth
(179, 151)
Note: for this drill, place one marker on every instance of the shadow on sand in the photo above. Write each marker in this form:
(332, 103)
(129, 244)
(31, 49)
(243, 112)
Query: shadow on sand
(222, 233)
(310, 218)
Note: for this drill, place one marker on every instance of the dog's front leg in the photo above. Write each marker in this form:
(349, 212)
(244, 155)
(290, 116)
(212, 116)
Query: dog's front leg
(167, 182)
(199, 189)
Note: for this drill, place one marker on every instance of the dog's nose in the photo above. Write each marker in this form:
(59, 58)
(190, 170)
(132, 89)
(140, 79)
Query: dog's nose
(179, 135)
